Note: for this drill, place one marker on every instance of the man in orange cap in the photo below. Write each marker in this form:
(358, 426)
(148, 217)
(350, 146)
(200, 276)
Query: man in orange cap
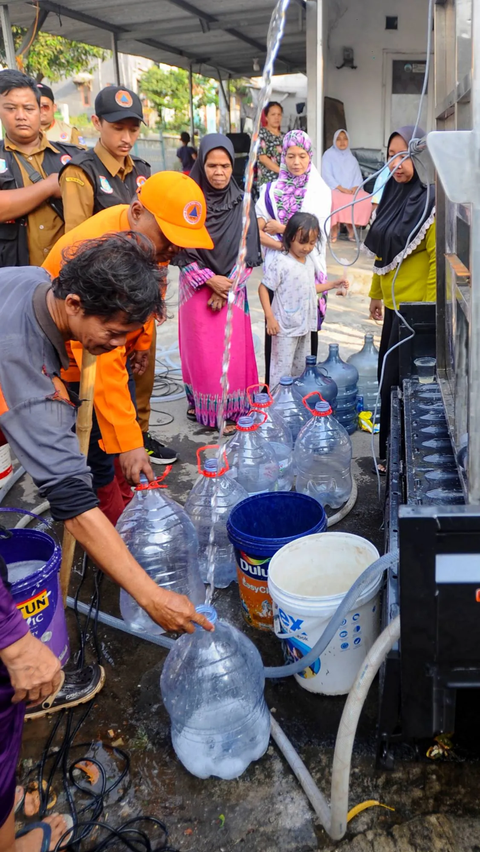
(170, 210)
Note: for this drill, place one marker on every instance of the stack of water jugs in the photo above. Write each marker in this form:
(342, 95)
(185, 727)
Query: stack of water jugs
(212, 684)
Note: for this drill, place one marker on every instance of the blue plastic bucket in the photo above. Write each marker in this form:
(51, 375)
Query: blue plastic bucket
(37, 595)
(257, 528)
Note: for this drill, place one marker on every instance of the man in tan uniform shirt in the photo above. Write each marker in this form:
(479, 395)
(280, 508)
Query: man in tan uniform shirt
(55, 129)
(29, 225)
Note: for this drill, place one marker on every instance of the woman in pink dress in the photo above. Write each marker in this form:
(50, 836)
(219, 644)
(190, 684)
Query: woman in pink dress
(341, 172)
(206, 277)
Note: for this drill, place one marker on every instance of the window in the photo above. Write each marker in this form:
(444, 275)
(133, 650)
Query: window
(391, 22)
(86, 95)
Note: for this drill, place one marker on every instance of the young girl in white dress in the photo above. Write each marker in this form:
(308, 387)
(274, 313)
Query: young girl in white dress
(292, 316)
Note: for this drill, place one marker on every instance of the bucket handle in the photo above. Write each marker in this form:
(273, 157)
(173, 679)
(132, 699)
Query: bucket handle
(32, 515)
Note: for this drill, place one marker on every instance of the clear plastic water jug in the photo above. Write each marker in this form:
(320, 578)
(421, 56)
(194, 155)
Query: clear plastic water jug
(212, 686)
(161, 537)
(288, 407)
(279, 437)
(213, 483)
(314, 378)
(251, 461)
(346, 378)
(323, 458)
(366, 363)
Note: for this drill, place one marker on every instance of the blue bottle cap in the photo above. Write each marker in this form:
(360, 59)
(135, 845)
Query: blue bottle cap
(286, 380)
(323, 408)
(262, 398)
(208, 611)
(311, 359)
(211, 465)
(245, 422)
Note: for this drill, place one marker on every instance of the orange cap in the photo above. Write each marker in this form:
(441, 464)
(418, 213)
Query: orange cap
(179, 207)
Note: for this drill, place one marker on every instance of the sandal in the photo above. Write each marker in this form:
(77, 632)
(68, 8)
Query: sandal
(381, 468)
(191, 414)
(47, 832)
(230, 428)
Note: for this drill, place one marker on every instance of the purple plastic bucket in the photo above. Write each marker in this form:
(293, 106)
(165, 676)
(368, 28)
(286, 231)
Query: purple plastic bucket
(38, 596)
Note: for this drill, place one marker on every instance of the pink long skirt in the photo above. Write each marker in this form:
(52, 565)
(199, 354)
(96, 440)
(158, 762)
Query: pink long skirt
(201, 339)
(362, 209)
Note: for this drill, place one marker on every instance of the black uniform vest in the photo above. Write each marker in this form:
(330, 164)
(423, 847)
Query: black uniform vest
(109, 190)
(13, 234)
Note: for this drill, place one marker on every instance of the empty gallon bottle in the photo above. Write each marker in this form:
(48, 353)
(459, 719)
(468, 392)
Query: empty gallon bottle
(199, 508)
(346, 378)
(315, 378)
(366, 363)
(279, 437)
(251, 461)
(212, 686)
(323, 457)
(161, 537)
(288, 407)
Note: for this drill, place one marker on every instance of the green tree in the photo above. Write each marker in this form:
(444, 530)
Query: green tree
(53, 56)
(170, 90)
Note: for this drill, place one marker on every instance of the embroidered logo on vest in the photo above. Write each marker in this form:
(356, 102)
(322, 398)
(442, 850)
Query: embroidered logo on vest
(105, 186)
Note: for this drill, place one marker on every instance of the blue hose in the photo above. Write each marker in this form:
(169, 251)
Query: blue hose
(348, 603)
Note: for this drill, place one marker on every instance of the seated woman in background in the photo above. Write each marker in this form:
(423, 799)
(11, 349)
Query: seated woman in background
(206, 277)
(270, 144)
(407, 205)
(341, 172)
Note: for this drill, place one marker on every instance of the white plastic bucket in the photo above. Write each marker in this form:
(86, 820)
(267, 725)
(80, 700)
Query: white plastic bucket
(6, 468)
(307, 580)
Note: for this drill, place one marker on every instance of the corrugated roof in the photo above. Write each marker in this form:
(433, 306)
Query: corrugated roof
(204, 33)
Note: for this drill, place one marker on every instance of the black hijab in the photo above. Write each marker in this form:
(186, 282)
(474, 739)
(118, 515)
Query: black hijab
(224, 217)
(402, 207)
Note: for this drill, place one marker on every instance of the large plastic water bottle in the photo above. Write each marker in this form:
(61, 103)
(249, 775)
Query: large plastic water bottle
(162, 538)
(199, 508)
(314, 378)
(346, 378)
(366, 363)
(278, 435)
(251, 460)
(212, 686)
(288, 408)
(323, 458)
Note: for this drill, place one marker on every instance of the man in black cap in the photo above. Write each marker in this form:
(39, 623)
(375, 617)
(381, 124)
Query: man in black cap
(55, 129)
(106, 175)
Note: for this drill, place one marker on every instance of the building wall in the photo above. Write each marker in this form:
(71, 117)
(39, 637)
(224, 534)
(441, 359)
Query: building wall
(69, 93)
(360, 24)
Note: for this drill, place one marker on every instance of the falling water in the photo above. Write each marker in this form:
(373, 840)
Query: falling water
(275, 35)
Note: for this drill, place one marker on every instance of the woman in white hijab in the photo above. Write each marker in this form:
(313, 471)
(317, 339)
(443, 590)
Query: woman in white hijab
(341, 172)
(299, 188)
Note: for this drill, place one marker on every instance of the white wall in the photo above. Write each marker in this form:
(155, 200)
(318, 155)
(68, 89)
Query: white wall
(360, 24)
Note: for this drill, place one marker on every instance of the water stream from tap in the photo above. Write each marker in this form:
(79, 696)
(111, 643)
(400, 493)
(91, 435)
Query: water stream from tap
(275, 35)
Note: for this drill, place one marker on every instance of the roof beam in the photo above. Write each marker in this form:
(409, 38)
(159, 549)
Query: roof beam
(89, 20)
(211, 19)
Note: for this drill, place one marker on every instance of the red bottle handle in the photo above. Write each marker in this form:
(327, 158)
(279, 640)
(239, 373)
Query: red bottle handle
(149, 486)
(259, 405)
(312, 410)
(208, 473)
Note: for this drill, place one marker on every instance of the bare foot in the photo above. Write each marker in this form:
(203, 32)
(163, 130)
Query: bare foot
(32, 842)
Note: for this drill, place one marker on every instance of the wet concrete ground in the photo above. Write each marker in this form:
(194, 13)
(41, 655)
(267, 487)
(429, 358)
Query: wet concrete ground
(436, 804)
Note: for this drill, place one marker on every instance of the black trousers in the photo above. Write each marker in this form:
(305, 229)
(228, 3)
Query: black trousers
(391, 375)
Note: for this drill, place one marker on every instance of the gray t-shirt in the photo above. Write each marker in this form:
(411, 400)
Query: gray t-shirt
(36, 413)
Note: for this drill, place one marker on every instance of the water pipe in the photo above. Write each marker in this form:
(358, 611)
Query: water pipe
(334, 817)
(343, 512)
(119, 624)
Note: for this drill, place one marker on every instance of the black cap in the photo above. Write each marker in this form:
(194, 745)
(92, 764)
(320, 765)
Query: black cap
(116, 102)
(46, 92)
